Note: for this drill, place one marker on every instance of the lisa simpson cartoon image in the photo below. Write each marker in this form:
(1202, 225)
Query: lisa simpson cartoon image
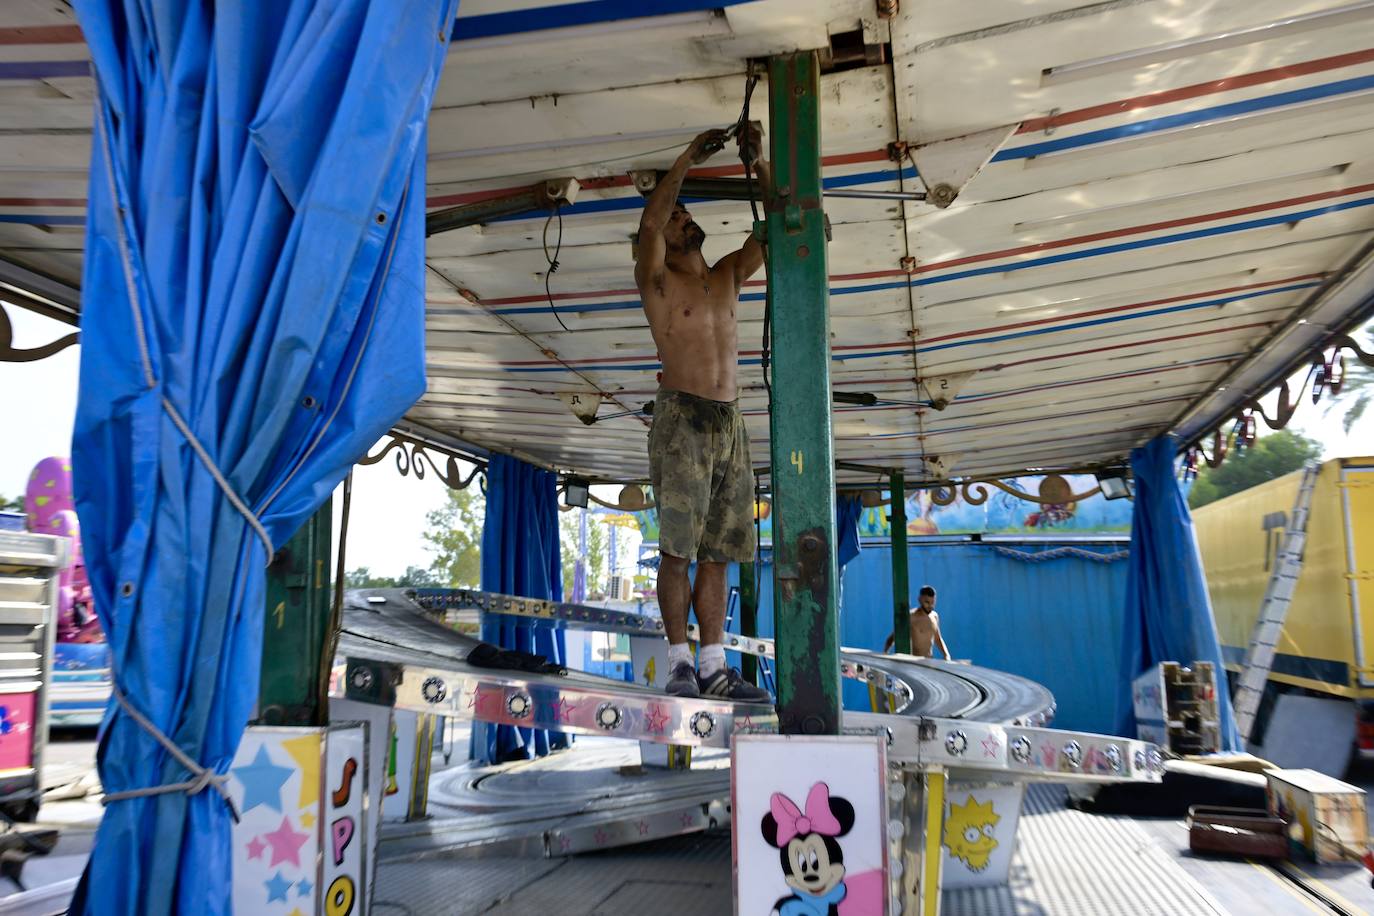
(809, 850)
(969, 833)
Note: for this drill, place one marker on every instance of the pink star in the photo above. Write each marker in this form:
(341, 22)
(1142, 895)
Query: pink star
(1047, 754)
(255, 847)
(643, 828)
(564, 843)
(991, 746)
(686, 818)
(286, 844)
(480, 702)
(656, 721)
(563, 710)
(745, 723)
(601, 837)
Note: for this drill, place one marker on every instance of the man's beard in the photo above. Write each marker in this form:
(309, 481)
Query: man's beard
(693, 237)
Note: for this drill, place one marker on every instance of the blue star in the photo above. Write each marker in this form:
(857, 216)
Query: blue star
(262, 781)
(303, 888)
(277, 886)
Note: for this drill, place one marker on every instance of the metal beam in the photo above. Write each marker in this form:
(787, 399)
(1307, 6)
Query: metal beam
(39, 292)
(739, 189)
(544, 196)
(803, 453)
(901, 581)
(299, 611)
(748, 617)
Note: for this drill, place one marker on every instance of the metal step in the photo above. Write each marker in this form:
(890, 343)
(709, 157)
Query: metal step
(1259, 657)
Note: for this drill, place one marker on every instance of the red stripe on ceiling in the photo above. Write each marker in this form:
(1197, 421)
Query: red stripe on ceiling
(1126, 346)
(42, 35)
(1117, 308)
(1197, 90)
(42, 201)
(1148, 227)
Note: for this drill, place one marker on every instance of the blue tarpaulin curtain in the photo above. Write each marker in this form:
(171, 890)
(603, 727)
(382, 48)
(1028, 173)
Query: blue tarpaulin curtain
(520, 556)
(848, 510)
(253, 307)
(1168, 612)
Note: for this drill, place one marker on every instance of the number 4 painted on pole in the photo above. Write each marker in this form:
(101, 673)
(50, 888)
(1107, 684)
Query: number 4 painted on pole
(799, 461)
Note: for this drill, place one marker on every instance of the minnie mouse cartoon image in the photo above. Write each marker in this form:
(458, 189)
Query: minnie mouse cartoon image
(809, 850)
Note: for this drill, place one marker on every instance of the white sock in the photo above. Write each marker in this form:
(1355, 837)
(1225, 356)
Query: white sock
(710, 660)
(679, 654)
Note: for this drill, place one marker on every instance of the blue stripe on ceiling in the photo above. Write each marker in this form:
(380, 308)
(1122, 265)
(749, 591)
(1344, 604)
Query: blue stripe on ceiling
(566, 15)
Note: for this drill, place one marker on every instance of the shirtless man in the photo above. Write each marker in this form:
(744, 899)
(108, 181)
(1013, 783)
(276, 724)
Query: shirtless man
(698, 447)
(925, 627)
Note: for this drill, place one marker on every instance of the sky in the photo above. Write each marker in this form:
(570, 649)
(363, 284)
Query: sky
(387, 522)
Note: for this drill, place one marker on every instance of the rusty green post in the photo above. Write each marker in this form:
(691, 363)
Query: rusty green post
(805, 576)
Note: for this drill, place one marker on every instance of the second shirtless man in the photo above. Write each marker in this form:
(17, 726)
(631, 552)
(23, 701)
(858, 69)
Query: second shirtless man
(698, 447)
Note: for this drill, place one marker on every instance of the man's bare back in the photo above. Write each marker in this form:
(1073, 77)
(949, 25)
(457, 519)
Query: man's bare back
(691, 306)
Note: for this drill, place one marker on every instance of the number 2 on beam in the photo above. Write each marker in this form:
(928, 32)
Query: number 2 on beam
(799, 461)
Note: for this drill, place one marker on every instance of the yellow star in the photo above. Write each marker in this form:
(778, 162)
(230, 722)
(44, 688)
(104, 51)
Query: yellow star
(307, 820)
(295, 911)
(305, 750)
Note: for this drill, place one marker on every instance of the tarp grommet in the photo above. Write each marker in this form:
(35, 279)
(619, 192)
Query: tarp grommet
(126, 589)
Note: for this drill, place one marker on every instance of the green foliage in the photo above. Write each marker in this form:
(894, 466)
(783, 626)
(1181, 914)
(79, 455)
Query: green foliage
(11, 505)
(455, 536)
(1358, 388)
(413, 577)
(569, 524)
(1271, 456)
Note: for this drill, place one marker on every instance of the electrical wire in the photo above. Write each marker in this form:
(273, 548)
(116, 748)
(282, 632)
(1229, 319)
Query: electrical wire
(742, 130)
(553, 260)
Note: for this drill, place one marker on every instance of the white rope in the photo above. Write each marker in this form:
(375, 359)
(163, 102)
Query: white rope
(141, 334)
(203, 778)
(1028, 556)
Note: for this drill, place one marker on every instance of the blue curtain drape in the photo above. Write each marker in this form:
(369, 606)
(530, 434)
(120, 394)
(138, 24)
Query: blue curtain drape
(848, 510)
(253, 304)
(520, 556)
(1168, 614)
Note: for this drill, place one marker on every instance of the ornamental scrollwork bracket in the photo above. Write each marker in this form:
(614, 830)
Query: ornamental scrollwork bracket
(9, 353)
(411, 458)
(1054, 491)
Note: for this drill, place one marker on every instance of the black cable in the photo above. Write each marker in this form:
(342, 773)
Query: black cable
(553, 261)
(742, 129)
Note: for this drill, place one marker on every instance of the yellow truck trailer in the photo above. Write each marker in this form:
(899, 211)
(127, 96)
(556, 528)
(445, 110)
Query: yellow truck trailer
(1327, 646)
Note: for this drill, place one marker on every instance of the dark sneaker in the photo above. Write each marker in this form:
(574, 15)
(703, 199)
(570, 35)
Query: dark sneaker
(683, 681)
(726, 684)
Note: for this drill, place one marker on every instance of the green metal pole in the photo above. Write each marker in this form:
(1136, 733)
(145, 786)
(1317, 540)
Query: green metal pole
(901, 581)
(806, 619)
(299, 603)
(748, 618)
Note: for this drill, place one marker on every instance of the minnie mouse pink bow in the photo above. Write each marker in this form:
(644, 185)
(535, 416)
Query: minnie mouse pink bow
(817, 819)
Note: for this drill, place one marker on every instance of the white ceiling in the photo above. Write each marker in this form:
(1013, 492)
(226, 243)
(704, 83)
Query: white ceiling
(1186, 174)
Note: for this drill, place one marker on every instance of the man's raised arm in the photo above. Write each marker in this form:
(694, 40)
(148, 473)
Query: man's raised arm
(659, 207)
(747, 261)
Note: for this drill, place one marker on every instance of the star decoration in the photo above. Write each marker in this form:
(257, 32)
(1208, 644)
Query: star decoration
(307, 820)
(262, 781)
(563, 710)
(1047, 754)
(305, 750)
(6, 726)
(656, 721)
(745, 723)
(277, 886)
(295, 911)
(286, 844)
(303, 888)
(22, 727)
(601, 837)
(564, 843)
(255, 847)
(991, 746)
(480, 702)
(686, 818)
(643, 828)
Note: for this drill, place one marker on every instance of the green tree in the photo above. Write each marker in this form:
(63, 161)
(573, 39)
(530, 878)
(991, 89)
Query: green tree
(597, 549)
(362, 578)
(1271, 456)
(1358, 388)
(11, 505)
(455, 536)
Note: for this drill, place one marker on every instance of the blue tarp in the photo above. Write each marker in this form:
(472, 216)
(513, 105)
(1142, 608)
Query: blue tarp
(254, 248)
(848, 509)
(1168, 615)
(520, 556)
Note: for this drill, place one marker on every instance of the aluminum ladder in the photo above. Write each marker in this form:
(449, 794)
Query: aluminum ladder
(1259, 657)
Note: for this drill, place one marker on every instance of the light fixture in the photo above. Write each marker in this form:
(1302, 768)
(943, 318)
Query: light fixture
(575, 493)
(1114, 483)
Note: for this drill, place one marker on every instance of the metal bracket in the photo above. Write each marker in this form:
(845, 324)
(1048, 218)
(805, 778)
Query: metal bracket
(947, 166)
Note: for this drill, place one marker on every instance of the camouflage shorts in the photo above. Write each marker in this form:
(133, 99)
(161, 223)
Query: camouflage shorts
(702, 477)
